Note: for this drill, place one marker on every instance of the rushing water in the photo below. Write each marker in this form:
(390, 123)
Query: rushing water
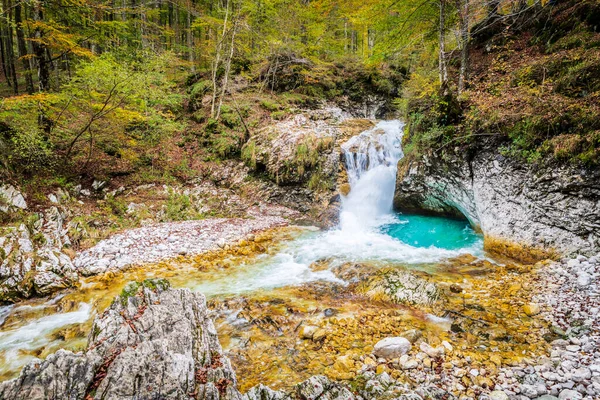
(369, 231)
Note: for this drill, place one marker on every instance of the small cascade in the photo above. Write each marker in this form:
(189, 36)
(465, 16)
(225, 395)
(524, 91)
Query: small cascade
(371, 162)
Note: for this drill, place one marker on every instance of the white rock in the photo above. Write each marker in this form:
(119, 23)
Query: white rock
(431, 351)
(568, 394)
(447, 345)
(529, 391)
(581, 374)
(584, 280)
(410, 364)
(392, 347)
(498, 395)
(10, 197)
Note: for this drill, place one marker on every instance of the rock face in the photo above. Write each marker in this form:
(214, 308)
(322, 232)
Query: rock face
(517, 207)
(151, 343)
(291, 150)
(32, 258)
(11, 199)
(301, 154)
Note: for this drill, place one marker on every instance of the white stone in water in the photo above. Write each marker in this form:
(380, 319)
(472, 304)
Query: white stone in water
(459, 373)
(432, 352)
(447, 345)
(392, 347)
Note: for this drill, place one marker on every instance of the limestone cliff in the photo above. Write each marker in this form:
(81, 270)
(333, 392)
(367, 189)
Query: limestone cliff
(523, 210)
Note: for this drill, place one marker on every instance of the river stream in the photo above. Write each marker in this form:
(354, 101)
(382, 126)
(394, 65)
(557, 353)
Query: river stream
(295, 269)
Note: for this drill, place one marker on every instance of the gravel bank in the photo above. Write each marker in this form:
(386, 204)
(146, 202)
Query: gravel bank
(569, 296)
(158, 242)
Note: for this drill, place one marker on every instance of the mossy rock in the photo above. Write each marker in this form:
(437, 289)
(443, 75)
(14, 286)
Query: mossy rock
(132, 289)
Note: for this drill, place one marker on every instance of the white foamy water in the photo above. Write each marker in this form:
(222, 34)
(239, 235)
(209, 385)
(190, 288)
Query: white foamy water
(371, 161)
(35, 334)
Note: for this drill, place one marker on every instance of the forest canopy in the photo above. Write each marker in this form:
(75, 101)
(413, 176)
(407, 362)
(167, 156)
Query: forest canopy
(86, 83)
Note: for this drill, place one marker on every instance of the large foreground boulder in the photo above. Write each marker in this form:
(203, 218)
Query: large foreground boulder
(151, 343)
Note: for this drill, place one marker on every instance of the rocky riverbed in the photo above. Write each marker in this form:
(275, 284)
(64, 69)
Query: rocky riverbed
(131, 338)
(293, 304)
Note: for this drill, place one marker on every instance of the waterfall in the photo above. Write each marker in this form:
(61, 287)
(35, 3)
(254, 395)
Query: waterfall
(371, 160)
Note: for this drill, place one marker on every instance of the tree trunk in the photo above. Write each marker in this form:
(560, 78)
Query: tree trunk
(4, 53)
(443, 69)
(190, 38)
(217, 62)
(22, 46)
(39, 49)
(464, 56)
(9, 47)
(346, 36)
(227, 67)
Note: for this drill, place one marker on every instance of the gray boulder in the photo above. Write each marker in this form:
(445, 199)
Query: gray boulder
(520, 208)
(152, 342)
(33, 260)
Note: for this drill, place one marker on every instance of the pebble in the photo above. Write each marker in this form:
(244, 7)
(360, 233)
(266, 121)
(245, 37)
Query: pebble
(498, 395)
(568, 394)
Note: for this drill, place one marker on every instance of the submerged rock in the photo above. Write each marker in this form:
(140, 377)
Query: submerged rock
(532, 309)
(404, 288)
